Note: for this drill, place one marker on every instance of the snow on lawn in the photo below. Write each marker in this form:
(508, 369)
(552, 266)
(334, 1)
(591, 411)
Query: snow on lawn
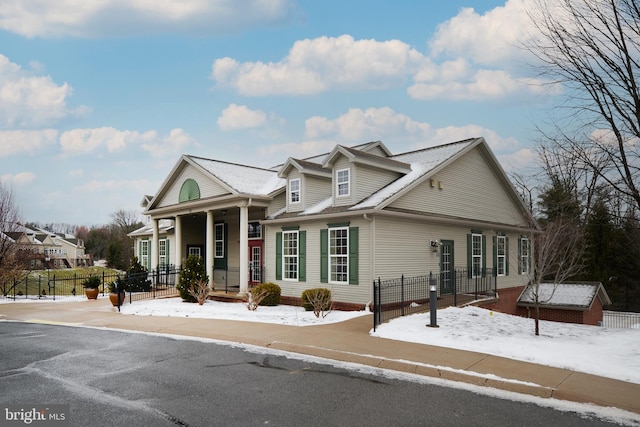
(608, 352)
(280, 314)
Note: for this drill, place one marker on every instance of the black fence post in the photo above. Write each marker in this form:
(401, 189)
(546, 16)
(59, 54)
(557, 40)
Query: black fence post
(402, 293)
(455, 287)
(375, 304)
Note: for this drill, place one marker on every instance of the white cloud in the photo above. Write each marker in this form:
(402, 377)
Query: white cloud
(22, 142)
(363, 125)
(302, 150)
(18, 179)
(111, 186)
(28, 100)
(524, 159)
(174, 143)
(317, 65)
(459, 133)
(81, 18)
(357, 126)
(236, 117)
(492, 38)
(82, 141)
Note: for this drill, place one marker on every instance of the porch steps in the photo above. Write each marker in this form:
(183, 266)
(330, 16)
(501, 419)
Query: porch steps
(225, 296)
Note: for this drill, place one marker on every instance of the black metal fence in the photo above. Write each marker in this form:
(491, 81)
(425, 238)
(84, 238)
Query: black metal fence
(619, 319)
(408, 295)
(160, 282)
(228, 279)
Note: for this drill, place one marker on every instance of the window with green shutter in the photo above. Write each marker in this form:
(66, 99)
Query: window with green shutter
(501, 255)
(476, 254)
(291, 254)
(339, 250)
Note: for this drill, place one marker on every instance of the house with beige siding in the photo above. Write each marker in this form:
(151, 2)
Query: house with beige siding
(342, 219)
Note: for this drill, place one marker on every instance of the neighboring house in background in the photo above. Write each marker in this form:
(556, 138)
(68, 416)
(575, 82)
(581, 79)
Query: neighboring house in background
(343, 219)
(40, 249)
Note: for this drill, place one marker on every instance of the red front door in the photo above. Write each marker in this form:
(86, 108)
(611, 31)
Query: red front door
(255, 262)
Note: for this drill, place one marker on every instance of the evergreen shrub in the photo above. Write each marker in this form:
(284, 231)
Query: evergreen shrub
(193, 272)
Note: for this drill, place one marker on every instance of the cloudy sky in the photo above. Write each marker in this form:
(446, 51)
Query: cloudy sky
(98, 99)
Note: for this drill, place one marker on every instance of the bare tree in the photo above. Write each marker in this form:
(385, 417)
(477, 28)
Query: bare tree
(592, 48)
(558, 256)
(119, 249)
(126, 221)
(10, 264)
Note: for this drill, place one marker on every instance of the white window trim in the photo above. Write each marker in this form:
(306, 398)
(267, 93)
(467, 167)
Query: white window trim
(524, 256)
(332, 256)
(145, 245)
(216, 240)
(348, 182)
(474, 256)
(285, 256)
(503, 256)
(162, 252)
(298, 191)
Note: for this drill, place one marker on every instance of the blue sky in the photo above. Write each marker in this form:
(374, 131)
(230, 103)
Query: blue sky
(98, 100)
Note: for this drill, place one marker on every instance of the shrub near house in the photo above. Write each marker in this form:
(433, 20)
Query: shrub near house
(192, 273)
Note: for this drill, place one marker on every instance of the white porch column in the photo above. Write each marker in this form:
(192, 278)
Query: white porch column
(209, 250)
(178, 232)
(154, 245)
(244, 249)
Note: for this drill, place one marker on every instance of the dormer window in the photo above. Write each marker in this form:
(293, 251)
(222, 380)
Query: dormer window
(294, 191)
(343, 182)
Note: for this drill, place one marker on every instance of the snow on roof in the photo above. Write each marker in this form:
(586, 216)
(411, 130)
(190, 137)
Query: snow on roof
(561, 294)
(421, 161)
(164, 225)
(244, 179)
(320, 206)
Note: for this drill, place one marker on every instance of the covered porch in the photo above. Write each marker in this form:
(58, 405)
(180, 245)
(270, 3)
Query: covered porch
(226, 233)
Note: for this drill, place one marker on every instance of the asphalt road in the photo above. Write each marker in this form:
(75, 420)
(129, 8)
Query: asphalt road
(112, 378)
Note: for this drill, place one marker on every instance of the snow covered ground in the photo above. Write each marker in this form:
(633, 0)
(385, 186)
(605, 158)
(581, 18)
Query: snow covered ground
(608, 352)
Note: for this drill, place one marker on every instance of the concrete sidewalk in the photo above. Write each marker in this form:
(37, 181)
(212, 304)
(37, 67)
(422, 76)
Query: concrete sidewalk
(350, 342)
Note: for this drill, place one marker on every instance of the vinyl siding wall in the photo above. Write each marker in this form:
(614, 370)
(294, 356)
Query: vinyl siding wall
(470, 189)
(316, 189)
(208, 188)
(359, 294)
(368, 180)
(278, 202)
(312, 191)
(403, 247)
